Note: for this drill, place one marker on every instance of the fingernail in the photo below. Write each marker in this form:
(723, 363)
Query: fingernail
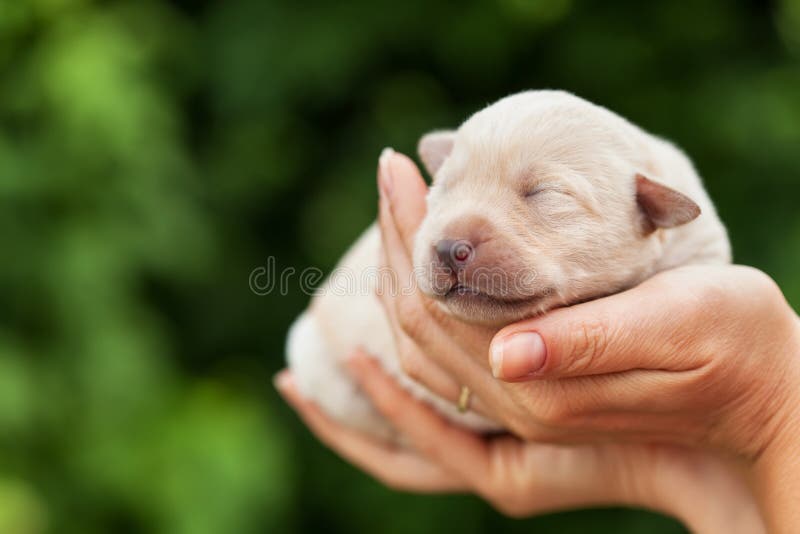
(385, 171)
(282, 380)
(518, 356)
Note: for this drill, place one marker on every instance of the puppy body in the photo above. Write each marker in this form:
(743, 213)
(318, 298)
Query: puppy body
(553, 201)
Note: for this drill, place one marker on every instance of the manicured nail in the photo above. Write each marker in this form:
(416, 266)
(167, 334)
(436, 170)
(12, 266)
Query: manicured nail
(385, 171)
(282, 380)
(518, 355)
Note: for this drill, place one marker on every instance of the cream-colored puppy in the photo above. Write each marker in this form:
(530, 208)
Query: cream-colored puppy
(539, 200)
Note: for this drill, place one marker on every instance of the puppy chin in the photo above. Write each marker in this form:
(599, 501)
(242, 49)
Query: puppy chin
(479, 308)
(482, 310)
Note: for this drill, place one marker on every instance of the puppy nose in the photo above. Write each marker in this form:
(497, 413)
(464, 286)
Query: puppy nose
(454, 253)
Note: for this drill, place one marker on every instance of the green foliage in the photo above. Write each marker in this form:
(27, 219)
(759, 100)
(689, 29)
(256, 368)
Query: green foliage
(153, 153)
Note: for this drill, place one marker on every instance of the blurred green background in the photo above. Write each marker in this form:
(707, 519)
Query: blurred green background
(153, 153)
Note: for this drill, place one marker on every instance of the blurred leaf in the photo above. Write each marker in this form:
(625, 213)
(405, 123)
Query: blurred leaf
(220, 467)
(21, 511)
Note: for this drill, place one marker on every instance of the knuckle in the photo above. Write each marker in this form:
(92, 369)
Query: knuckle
(524, 431)
(708, 303)
(384, 296)
(407, 304)
(756, 278)
(720, 306)
(543, 413)
(555, 413)
(553, 408)
(411, 364)
(511, 506)
(389, 407)
(739, 287)
(765, 291)
(588, 344)
(410, 318)
(390, 482)
(522, 426)
(428, 448)
(434, 310)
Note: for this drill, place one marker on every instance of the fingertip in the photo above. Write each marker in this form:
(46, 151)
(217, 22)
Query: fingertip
(360, 353)
(394, 166)
(386, 155)
(287, 388)
(406, 172)
(360, 361)
(517, 357)
(402, 163)
(385, 172)
(283, 380)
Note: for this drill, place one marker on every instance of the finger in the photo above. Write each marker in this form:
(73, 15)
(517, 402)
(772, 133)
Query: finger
(442, 367)
(399, 216)
(422, 366)
(397, 262)
(427, 324)
(459, 451)
(405, 191)
(412, 313)
(421, 321)
(412, 361)
(397, 468)
(539, 477)
(398, 256)
(427, 371)
(424, 370)
(640, 399)
(609, 335)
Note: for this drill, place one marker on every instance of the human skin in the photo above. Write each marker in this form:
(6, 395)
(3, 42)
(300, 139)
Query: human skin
(700, 356)
(522, 478)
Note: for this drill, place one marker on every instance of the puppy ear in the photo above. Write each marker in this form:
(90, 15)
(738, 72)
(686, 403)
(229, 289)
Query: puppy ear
(434, 147)
(662, 206)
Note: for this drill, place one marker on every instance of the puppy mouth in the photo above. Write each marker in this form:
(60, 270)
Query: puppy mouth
(475, 306)
(464, 292)
(461, 289)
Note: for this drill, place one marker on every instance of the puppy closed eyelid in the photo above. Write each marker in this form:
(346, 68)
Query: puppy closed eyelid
(546, 188)
(529, 193)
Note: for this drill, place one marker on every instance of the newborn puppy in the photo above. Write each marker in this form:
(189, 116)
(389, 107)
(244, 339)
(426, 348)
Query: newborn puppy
(538, 201)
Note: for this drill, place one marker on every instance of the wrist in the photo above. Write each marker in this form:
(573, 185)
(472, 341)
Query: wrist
(776, 472)
(707, 493)
(776, 482)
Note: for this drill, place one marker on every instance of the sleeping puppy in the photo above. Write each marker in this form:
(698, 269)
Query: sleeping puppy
(538, 201)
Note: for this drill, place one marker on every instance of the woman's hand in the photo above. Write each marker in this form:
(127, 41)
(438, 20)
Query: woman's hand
(705, 355)
(523, 478)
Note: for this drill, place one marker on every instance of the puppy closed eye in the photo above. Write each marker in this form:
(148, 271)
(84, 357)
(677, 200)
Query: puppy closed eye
(540, 190)
(530, 193)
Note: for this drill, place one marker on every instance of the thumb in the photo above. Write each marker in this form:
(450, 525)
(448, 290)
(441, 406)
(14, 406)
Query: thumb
(405, 189)
(610, 335)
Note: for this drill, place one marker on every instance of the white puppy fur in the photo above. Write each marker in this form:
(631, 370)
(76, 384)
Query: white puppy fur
(538, 201)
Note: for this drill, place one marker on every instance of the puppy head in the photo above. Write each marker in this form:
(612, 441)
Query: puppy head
(540, 200)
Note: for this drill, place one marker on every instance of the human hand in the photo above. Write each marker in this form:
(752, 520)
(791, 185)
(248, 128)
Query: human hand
(714, 362)
(704, 355)
(525, 478)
